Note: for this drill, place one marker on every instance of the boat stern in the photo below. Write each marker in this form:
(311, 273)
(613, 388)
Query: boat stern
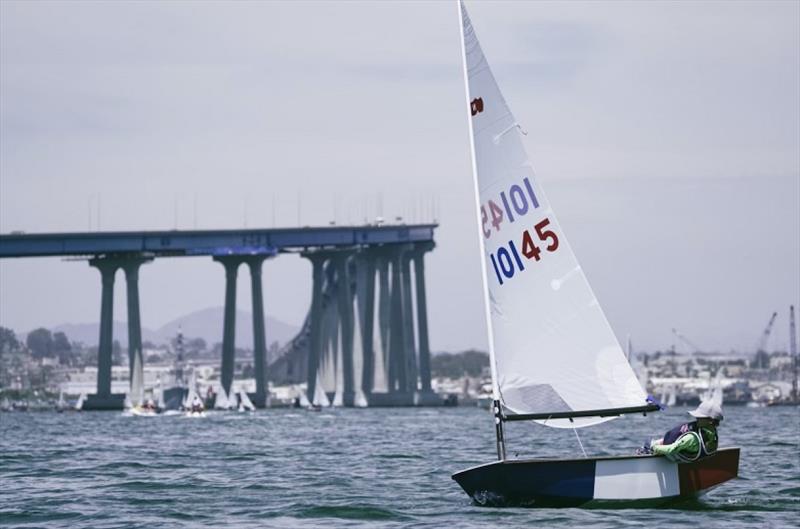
(700, 476)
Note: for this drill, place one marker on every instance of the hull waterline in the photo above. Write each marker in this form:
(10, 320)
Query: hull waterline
(636, 480)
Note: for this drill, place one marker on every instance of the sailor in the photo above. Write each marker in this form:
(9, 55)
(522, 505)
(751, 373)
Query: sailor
(197, 404)
(693, 440)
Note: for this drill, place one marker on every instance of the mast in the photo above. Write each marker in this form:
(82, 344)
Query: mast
(497, 410)
(476, 194)
(793, 352)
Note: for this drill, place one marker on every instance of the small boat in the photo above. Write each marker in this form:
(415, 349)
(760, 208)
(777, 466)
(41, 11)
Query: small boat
(143, 411)
(554, 358)
(192, 404)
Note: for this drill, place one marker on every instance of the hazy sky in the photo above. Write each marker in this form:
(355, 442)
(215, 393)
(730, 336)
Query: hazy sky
(667, 136)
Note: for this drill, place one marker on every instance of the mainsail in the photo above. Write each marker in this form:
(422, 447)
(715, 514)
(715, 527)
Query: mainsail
(137, 383)
(552, 348)
(244, 401)
(222, 402)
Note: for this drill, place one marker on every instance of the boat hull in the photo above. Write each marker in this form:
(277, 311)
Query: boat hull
(576, 482)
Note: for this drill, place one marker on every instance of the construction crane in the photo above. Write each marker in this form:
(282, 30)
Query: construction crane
(685, 340)
(793, 352)
(762, 357)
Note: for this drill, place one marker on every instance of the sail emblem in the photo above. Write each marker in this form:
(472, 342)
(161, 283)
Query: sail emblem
(476, 106)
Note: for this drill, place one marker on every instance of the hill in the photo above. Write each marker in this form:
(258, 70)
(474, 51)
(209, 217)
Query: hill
(204, 323)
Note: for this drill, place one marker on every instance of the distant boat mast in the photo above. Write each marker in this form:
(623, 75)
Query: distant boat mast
(793, 352)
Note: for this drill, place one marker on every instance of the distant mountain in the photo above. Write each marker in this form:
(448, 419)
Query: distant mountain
(205, 324)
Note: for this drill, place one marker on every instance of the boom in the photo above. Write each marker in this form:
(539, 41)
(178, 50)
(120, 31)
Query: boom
(762, 343)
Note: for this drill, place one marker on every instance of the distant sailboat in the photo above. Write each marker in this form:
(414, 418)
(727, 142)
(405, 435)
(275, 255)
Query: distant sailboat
(134, 402)
(553, 355)
(320, 397)
(714, 393)
(301, 399)
(61, 405)
(245, 404)
(137, 384)
(80, 401)
(221, 402)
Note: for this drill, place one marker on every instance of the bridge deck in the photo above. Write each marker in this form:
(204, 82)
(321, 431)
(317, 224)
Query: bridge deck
(208, 242)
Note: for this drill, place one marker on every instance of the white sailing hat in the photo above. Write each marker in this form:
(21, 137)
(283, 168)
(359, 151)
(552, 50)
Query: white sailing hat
(710, 410)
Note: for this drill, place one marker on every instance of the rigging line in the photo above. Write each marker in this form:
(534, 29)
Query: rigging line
(579, 441)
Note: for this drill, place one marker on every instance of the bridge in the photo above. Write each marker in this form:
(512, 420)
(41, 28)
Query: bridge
(338, 342)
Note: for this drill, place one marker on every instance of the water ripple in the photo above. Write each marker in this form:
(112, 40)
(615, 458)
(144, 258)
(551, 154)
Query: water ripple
(347, 468)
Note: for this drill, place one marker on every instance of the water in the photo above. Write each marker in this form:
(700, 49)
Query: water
(348, 468)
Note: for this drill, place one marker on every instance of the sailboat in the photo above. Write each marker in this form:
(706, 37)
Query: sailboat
(554, 357)
(80, 401)
(135, 401)
(61, 405)
(245, 404)
(222, 402)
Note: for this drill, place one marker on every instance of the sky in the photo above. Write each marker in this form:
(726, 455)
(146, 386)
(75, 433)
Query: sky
(667, 136)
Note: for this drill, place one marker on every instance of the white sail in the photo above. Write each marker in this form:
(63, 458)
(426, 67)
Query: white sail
(136, 394)
(672, 399)
(245, 402)
(304, 402)
(221, 402)
(320, 397)
(552, 348)
(80, 401)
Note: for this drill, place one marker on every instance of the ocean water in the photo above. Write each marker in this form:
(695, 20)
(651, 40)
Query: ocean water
(349, 468)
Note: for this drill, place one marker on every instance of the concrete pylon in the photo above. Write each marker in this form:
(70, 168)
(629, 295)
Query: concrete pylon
(108, 266)
(397, 335)
(108, 269)
(345, 306)
(410, 355)
(385, 316)
(315, 345)
(367, 313)
(422, 322)
(231, 264)
(261, 397)
(131, 268)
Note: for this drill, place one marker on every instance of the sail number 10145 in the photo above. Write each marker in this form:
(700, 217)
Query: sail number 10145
(507, 261)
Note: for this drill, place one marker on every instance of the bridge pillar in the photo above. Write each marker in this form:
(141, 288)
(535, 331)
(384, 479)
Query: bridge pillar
(367, 305)
(410, 352)
(427, 396)
(231, 264)
(315, 344)
(259, 334)
(131, 268)
(345, 301)
(108, 266)
(384, 317)
(397, 334)
(108, 269)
